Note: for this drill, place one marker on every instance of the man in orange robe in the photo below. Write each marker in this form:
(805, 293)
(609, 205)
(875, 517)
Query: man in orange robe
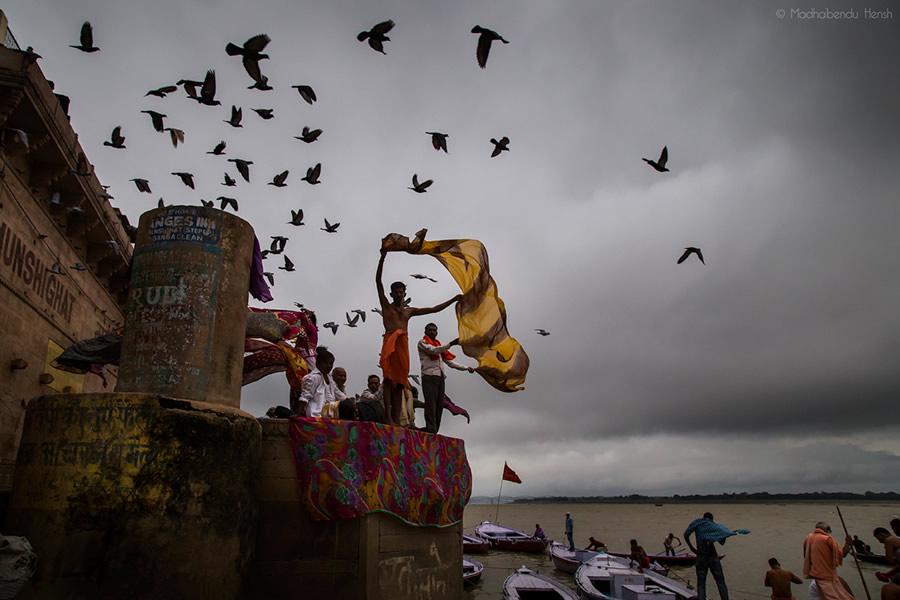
(821, 557)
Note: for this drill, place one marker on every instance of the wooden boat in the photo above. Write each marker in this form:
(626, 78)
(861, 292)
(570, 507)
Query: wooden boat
(606, 577)
(473, 544)
(567, 560)
(869, 557)
(525, 584)
(678, 560)
(472, 570)
(505, 538)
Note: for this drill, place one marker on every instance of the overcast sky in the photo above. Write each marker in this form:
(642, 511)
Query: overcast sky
(774, 367)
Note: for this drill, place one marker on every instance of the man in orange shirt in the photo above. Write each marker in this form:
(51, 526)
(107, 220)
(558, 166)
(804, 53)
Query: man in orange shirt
(821, 557)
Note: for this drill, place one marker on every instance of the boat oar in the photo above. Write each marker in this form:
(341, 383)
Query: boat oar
(853, 551)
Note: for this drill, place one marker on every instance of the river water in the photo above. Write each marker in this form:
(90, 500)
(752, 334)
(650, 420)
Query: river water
(776, 530)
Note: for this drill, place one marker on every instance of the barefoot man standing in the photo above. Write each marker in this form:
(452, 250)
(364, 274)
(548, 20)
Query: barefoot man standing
(395, 347)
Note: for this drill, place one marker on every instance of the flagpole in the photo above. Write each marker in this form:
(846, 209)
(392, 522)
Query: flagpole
(497, 517)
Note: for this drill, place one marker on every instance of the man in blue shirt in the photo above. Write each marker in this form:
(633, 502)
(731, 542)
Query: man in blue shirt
(708, 532)
(569, 527)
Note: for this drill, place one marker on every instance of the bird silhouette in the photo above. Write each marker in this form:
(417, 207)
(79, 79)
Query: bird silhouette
(262, 84)
(688, 251)
(207, 94)
(206, 203)
(288, 265)
(329, 228)
(160, 204)
(162, 92)
(278, 180)
(78, 267)
(106, 196)
(225, 201)
(298, 304)
(186, 178)
(332, 326)
(251, 54)
(87, 39)
(377, 36)
(142, 185)
(270, 277)
(229, 181)
(296, 217)
(236, 116)
(309, 135)
(29, 56)
(361, 313)
(438, 140)
(116, 139)
(502, 145)
(177, 136)
(312, 174)
(55, 269)
(420, 188)
(243, 167)
(351, 322)
(190, 87)
(265, 113)
(306, 93)
(542, 332)
(420, 276)
(156, 118)
(660, 164)
(278, 244)
(485, 38)
(377, 311)
(219, 150)
(415, 378)
(75, 210)
(82, 167)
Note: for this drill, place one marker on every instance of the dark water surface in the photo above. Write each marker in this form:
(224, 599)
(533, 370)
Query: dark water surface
(776, 530)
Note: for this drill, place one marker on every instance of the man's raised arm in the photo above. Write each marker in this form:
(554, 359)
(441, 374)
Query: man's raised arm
(438, 308)
(378, 283)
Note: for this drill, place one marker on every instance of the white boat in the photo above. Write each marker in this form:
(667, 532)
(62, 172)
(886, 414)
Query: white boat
(567, 560)
(506, 538)
(525, 584)
(472, 570)
(606, 577)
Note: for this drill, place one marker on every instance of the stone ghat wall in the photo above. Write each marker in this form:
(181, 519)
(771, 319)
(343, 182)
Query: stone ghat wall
(375, 557)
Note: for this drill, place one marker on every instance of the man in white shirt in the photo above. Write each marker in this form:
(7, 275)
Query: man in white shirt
(317, 388)
(432, 358)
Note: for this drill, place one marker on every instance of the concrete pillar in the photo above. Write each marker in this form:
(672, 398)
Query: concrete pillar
(187, 310)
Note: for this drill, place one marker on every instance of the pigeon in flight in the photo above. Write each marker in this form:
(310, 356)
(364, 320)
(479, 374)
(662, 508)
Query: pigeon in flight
(157, 119)
(243, 167)
(420, 188)
(278, 180)
(251, 54)
(351, 322)
(219, 150)
(420, 276)
(309, 135)
(226, 201)
(288, 265)
(688, 251)
(262, 84)
(270, 276)
(500, 146)
(82, 167)
(116, 139)
(542, 332)
(265, 113)
(332, 326)
(377, 310)
(297, 217)
(485, 38)
(361, 313)
(206, 203)
(415, 378)
(208, 91)
(229, 181)
(278, 244)
(329, 228)
(162, 92)
(377, 35)
(87, 39)
(177, 136)
(190, 87)
(306, 93)
(438, 140)
(236, 116)
(142, 185)
(659, 165)
(55, 269)
(186, 178)
(312, 174)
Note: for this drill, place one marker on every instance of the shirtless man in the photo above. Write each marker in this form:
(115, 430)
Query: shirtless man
(780, 581)
(891, 552)
(395, 347)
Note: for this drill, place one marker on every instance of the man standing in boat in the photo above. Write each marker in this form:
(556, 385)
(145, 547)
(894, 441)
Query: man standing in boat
(570, 526)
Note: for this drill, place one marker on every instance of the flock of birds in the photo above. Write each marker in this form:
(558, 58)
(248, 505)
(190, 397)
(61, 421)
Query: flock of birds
(251, 53)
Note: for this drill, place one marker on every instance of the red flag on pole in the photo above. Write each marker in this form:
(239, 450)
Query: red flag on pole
(509, 474)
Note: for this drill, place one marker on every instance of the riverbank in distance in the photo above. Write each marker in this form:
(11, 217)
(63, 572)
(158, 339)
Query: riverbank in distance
(737, 498)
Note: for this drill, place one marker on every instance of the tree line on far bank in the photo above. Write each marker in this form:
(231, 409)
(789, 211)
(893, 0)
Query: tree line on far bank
(716, 498)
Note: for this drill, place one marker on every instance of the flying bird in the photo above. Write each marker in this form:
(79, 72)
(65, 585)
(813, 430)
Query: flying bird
(485, 39)
(229, 181)
(251, 54)
(206, 203)
(116, 139)
(262, 84)
(243, 167)
(270, 277)
(55, 269)
(415, 378)
(30, 57)
(312, 174)
(77, 210)
(420, 276)
(542, 332)
(278, 180)
(332, 326)
(377, 310)
(208, 90)
(298, 304)
(309, 135)
(162, 92)
(420, 188)
(142, 185)
(278, 244)
(377, 35)
(361, 313)
(306, 93)
(177, 136)
(351, 322)
(186, 178)
(660, 164)
(288, 265)
(688, 251)
(438, 140)
(87, 39)
(329, 228)
(502, 145)
(157, 119)
(236, 116)
(82, 167)
(227, 201)
(219, 150)
(190, 87)
(265, 113)
(296, 217)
